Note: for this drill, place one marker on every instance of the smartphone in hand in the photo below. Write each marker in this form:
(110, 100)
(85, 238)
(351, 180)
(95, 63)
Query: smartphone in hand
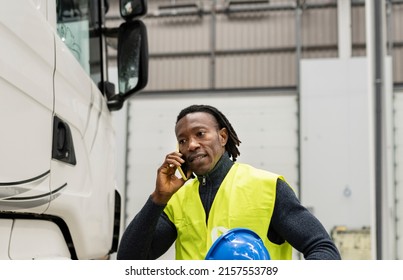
(183, 170)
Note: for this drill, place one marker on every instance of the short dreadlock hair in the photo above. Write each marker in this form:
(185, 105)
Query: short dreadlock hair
(222, 121)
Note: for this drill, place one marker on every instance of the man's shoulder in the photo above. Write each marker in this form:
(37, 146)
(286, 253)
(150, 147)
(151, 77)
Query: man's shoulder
(258, 172)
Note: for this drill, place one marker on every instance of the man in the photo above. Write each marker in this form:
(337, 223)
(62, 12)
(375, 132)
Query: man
(223, 195)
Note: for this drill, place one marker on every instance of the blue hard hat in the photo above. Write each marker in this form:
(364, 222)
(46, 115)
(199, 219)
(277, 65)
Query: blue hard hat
(238, 244)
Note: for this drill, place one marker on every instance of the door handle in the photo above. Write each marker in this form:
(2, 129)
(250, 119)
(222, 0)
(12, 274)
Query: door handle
(63, 146)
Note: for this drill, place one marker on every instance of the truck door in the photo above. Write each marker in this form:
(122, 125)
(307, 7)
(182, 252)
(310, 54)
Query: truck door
(73, 106)
(26, 107)
(82, 158)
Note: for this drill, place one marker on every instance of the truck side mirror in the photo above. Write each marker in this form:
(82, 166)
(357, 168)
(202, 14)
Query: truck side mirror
(132, 58)
(130, 9)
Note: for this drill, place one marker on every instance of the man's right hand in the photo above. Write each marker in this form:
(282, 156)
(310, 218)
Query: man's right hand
(167, 182)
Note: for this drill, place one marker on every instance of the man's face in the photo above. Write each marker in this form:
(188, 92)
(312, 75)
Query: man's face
(200, 140)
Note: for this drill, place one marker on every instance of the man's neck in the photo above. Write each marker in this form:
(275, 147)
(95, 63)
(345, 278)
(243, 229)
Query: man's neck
(218, 173)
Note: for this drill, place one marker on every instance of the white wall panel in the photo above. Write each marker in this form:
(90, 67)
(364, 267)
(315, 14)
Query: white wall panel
(399, 170)
(335, 145)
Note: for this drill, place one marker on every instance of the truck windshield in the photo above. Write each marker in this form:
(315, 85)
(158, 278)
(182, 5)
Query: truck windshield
(77, 26)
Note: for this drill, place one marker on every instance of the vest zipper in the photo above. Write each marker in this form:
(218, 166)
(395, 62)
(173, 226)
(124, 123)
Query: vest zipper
(203, 180)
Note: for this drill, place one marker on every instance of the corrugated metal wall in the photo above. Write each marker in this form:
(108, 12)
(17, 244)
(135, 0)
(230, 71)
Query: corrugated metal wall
(209, 47)
(210, 44)
(396, 41)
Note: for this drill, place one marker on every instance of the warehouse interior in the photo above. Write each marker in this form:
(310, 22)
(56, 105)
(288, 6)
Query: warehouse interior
(314, 87)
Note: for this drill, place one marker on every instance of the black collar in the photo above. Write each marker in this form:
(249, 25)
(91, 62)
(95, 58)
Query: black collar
(217, 175)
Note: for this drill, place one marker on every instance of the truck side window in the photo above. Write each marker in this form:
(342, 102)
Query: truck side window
(77, 25)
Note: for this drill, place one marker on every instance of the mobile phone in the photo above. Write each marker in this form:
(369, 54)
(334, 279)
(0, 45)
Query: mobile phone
(183, 170)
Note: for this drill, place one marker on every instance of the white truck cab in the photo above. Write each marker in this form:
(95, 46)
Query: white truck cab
(58, 193)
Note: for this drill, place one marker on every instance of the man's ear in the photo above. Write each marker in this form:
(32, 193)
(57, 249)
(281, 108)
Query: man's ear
(223, 136)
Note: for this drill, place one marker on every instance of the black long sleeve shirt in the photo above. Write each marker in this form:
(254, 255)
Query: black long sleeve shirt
(150, 234)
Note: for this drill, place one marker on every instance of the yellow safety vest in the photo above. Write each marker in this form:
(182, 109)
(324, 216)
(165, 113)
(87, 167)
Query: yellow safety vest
(245, 199)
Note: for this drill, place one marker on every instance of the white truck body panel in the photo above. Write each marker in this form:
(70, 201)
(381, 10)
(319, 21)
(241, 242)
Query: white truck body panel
(47, 206)
(26, 91)
(30, 236)
(5, 233)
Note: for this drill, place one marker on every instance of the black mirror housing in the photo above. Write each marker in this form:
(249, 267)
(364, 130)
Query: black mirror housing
(132, 58)
(130, 9)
